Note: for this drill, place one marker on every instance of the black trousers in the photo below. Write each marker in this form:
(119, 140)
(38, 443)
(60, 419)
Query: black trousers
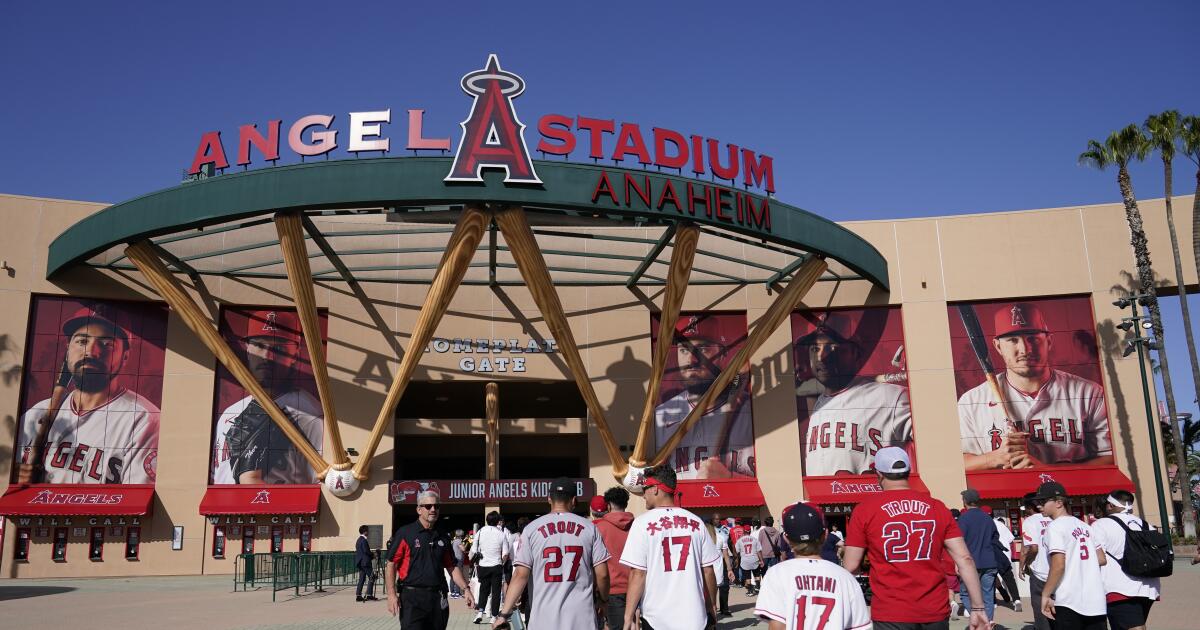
(1067, 619)
(1006, 583)
(489, 587)
(421, 609)
(615, 612)
(365, 575)
(895, 625)
(1036, 586)
(723, 596)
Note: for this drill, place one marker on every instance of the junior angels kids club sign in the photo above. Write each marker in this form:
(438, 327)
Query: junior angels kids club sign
(493, 137)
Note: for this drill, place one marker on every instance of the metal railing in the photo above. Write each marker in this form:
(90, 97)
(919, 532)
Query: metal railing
(298, 571)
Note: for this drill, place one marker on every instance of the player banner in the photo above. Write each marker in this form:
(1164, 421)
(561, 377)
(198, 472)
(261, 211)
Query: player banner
(247, 447)
(1028, 379)
(851, 388)
(90, 392)
(721, 444)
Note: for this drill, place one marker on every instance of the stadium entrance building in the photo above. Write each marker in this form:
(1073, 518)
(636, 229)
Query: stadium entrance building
(264, 360)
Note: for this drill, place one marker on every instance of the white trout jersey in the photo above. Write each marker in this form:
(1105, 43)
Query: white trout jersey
(812, 594)
(298, 405)
(672, 546)
(846, 428)
(116, 442)
(1033, 532)
(701, 442)
(748, 549)
(1081, 588)
(1067, 420)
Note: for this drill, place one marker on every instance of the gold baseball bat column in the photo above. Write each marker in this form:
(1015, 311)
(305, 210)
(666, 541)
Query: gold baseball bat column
(295, 256)
(683, 252)
(453, 266)
(524, 249)
(491, 406)
(806, 276)
(143, 256)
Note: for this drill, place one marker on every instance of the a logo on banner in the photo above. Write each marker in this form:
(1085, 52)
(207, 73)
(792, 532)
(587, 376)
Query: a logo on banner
(270, 323)
(493, 136)
(263, 496)
(711, 491)
(1045, 478)
(1018, 316)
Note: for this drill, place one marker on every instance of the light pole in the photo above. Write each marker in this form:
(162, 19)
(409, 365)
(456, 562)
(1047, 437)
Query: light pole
(1136, 323)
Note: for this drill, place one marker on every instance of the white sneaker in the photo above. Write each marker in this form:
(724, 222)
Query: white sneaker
(489, 619)
(1017, 606)
(478, 617)
(956, 611)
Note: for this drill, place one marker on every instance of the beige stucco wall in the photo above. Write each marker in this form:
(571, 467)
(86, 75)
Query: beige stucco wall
(1063, 251)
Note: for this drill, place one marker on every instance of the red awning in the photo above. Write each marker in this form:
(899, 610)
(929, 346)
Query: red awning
(81, 499)
(848, 489)
(261, 499)
(707, 493)
(1079, 481)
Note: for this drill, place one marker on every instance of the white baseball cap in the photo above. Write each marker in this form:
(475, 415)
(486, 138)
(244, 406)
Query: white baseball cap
(892, 459)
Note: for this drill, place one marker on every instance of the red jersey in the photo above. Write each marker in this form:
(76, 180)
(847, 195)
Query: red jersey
(735, 533)
(904, 532)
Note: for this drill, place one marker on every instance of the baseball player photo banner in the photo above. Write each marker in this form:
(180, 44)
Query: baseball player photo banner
(851, 388)
(90, 392)
(247, 447)
(1029, 387)
(721, 444)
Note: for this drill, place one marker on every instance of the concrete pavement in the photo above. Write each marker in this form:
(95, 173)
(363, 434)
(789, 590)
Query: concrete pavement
(203, 603)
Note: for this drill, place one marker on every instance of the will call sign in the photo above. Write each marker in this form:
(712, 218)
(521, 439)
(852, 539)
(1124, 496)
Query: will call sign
(493, 138)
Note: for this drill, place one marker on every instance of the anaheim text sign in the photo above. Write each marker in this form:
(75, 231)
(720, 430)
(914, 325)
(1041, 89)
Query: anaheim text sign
(482, 491)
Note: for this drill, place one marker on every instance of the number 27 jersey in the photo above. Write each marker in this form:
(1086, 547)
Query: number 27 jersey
(561, 550)
(672, 546)
(904, 532)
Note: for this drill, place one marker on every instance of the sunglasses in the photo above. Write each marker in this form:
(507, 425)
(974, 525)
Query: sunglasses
(431, 506)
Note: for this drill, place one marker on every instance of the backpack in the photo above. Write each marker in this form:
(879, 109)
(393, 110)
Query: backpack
(1148, 552)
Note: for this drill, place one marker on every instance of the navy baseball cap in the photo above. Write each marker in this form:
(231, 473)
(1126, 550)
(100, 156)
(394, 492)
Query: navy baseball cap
(803, 523)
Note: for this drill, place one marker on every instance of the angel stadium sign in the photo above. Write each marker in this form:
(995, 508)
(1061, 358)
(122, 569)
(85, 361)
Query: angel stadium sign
(493, 137)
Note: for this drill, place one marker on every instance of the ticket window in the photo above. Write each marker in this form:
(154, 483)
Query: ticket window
(248, 540)
(21, 546)
(305, 538)
(133, 543)
(277, 539)
(96, 544)
(218, 548)
(58, 550)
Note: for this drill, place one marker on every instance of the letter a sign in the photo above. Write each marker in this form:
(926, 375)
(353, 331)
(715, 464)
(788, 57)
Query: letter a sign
(493, 137)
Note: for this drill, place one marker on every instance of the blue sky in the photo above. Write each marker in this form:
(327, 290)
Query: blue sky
(870, 109)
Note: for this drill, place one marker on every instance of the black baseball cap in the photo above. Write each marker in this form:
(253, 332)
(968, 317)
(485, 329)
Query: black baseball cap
(803, 523)
(1049, 490)
(562, 489)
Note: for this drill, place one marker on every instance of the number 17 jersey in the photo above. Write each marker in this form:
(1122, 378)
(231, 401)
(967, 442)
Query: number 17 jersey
(904, 533)
(672, 546)
(561, 550)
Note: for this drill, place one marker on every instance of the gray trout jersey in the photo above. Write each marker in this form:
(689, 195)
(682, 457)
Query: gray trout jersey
(561, 551)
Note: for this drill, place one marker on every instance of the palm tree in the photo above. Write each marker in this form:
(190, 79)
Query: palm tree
(1163, 130)
(1121, 146)
(1190, 134)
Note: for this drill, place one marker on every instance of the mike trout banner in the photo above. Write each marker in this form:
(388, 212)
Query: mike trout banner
(248, 448)
(851, 388)
(90, 392)
(721, 444)
(1029, 388)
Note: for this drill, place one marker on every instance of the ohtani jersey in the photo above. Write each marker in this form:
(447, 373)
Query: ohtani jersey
(1033, 532)
(748, 548)
(1081, 588)
(116, 442)
(812, 594)
(561, 551)
(672, 546)
(1066, 420)
(847, 427)
(701, 442)
(298, 405)
(904, 532)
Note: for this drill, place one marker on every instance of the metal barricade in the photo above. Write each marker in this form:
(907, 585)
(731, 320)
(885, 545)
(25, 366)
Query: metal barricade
(253, 570)
(298, 571)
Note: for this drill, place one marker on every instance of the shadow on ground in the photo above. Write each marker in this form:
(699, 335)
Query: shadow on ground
(25, 592)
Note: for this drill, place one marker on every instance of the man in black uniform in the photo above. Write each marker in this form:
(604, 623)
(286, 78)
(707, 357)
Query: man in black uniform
(416, 558)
